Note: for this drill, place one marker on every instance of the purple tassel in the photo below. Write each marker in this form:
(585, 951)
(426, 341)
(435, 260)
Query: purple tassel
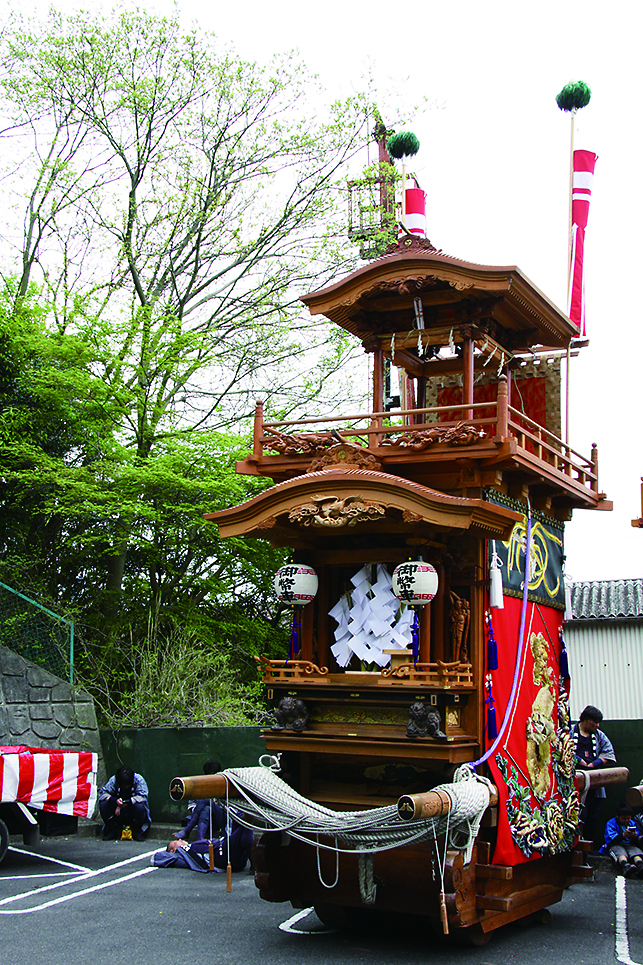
(492, 724)
(293, 648)
(563, 664)
(492, 650)
(415, 637)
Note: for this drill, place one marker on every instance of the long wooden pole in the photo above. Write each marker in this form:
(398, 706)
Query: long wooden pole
(569, 265)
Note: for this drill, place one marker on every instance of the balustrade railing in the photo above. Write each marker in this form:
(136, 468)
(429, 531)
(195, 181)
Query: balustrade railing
(492, 423)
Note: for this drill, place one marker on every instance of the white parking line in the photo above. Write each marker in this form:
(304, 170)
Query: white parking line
(45, 857)
(83, 877)
(287, 925)
(43, 874)
(76, 894)
(622, 940)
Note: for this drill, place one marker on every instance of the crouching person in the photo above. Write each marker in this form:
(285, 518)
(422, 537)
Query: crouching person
(123, 805)
(622, 843)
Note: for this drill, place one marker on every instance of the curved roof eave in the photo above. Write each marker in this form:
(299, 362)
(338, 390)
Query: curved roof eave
(501, 279)
(424, 505)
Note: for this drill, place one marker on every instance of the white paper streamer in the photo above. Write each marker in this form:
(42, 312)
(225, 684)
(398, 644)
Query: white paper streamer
(369, 620)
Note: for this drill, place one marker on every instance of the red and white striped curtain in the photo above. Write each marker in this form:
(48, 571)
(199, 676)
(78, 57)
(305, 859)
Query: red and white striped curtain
(60, 781)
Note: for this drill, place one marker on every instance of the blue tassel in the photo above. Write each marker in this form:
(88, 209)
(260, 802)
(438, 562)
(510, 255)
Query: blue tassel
(563, 664)
(293, 648)
(492, 650)
(415, 637)
(492, 724)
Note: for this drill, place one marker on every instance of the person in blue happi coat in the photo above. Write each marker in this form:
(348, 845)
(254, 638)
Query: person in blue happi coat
(233, 846)
(622, 843)
(122, 802)
(206, 815)
(594, 751)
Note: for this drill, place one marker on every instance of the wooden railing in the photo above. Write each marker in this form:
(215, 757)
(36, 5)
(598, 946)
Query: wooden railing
(548, 447)
(497, 420)
(437, 674)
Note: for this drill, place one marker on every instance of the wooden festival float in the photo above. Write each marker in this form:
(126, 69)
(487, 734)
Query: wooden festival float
(421, 650)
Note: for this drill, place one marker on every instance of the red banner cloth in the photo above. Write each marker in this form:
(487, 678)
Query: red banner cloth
(542, 624)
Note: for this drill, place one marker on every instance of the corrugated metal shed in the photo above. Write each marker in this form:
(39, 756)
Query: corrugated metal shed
(605, 647)
(605, 599)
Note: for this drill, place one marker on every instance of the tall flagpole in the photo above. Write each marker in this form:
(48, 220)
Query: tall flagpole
(571, 98)
(570, 232)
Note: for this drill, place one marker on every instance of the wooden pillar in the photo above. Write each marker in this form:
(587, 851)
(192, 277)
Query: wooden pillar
(322, 603)
(258, 430)
(502, 413)
(467, 378)
(378, 393)
(421, 398)
(307, 622)
(438, 605)
(425, 634)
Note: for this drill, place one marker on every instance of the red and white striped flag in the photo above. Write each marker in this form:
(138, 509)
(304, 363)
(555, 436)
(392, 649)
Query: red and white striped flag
(583, 177)
(60, 781)
(415, 218)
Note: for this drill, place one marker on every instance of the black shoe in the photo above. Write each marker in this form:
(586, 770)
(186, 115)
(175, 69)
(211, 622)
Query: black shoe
(111, 835)
(138, 835)
(629, 870)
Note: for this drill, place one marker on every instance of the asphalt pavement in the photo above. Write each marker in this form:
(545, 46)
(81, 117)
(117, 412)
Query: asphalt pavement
(76, 900)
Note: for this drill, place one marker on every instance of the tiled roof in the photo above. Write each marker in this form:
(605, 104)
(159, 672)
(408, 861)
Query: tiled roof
(607, 599)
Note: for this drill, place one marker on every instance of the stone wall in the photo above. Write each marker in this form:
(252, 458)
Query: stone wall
(40, 710)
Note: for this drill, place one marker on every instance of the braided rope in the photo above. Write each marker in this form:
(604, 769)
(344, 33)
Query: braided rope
(267, 802)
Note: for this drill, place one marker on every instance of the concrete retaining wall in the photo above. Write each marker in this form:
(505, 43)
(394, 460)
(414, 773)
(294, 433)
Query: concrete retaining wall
(40, 710)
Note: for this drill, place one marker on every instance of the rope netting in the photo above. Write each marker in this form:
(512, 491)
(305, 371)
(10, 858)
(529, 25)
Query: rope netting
(268, 803)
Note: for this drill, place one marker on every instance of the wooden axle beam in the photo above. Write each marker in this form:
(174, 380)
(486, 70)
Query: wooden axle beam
(201, 786)
(431, 804)
(601, 777)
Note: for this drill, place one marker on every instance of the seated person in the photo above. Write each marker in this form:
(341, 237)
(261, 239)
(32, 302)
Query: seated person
(199, 813)
(622, 843)
(196, 856)
(123, 803)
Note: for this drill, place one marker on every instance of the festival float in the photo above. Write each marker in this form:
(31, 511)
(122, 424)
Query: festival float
(421, 762)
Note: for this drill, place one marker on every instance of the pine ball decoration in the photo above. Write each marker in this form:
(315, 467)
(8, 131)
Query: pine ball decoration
(403, 144)
(574, 95)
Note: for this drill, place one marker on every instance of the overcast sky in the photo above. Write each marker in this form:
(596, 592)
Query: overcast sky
(494, 160)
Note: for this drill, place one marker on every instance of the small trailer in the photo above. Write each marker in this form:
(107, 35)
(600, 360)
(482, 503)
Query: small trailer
(53, 783)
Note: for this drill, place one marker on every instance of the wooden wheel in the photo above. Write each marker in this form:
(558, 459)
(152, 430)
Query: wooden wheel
(332, 915)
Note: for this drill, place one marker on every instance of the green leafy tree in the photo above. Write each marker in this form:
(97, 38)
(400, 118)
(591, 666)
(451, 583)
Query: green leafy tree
(193, 606)
(179, 201)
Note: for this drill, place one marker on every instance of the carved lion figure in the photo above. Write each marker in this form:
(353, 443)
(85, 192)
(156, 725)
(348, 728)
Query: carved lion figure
(424, 721)
(291, 714)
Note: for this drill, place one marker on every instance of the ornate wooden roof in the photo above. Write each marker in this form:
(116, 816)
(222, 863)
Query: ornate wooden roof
(342, 500)
(378, 299)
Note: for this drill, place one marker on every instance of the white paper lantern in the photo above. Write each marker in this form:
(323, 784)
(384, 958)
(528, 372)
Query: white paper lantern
(415, 582)
(296, 584)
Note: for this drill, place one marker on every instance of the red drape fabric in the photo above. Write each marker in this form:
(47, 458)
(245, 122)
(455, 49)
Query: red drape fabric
(513, 746)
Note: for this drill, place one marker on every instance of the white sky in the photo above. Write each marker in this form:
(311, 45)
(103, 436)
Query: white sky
(494, 160)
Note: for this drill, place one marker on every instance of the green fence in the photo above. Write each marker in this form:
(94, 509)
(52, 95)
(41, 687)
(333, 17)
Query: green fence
(161, 753)
(36, 633)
